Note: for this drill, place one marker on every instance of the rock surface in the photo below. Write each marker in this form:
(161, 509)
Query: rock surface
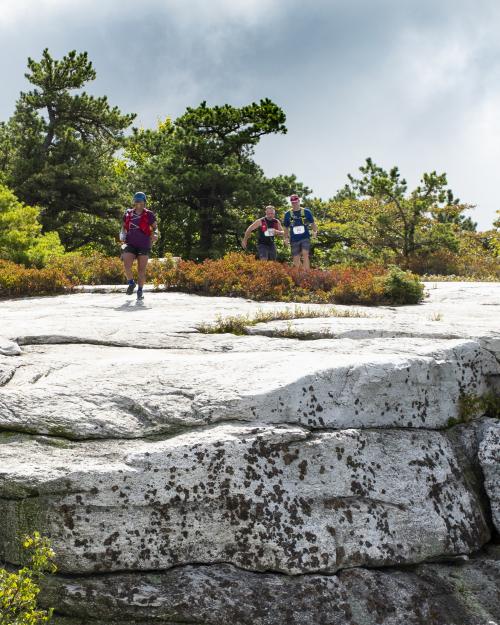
(269, 498)
(194, 478)
(317, 384)
(431, 594)
(489, 458)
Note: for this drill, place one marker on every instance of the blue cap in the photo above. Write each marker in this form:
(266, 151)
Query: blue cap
(140, 197)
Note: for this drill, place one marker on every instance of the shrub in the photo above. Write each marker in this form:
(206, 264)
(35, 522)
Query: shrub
(17, 280)
(96, 268)
(91, 269)
(244, 276)
(478, 258)
(46, 247)
(19, 590)
(159, 269)
(21, 238)
(359, 285)
(402, 287)
(234, 275)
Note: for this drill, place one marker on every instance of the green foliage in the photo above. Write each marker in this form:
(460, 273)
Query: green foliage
(402, 287)
(21, 240)
(19, 591)
(66, 152)
(477, 258)
(376, 218)
(57, 151)
(471, 406)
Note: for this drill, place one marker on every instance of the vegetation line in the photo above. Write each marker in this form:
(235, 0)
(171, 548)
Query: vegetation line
(239, 324)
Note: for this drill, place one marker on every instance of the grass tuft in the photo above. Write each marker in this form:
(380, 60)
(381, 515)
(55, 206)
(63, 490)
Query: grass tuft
(238, 324)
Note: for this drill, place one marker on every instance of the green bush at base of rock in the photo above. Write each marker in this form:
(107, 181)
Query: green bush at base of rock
(474, 406)
(19, 590)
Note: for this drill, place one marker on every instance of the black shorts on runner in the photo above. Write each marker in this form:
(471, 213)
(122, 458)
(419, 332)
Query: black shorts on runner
(266, 252)
(137, 251)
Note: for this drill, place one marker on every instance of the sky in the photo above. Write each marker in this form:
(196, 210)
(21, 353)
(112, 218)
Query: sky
(412, 83)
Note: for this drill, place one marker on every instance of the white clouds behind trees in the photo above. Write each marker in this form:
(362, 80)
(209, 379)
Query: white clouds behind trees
(414, 84)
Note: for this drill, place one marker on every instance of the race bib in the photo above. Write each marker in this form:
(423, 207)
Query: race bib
(299, 230)
(269, 232)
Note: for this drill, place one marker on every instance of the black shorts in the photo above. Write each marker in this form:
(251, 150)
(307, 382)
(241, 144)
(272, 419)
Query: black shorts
(267, 252)
(137, 251)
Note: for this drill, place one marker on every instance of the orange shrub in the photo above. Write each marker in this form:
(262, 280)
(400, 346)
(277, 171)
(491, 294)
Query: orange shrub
(93, 269)
(244, 276)
(17, 280)
(234, 275)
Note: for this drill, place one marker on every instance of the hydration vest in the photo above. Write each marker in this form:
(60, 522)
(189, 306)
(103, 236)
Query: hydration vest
(299, 225)
(302, 216)
(264, 227)
(143, 221)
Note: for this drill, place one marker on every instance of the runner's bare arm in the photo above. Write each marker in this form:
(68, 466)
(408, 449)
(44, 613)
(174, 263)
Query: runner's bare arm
(286, 230)
(279, 230)
(248, 232)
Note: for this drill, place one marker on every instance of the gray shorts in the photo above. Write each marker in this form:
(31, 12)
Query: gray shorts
(300, 246)
(266, 252)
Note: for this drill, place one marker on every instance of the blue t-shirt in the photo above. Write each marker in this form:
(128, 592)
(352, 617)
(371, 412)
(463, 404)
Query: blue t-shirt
(293, 219)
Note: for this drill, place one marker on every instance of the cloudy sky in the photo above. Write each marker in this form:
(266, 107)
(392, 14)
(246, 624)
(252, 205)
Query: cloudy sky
(413, 83)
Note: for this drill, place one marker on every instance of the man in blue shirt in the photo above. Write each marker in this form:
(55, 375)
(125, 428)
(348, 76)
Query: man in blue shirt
(297, 224)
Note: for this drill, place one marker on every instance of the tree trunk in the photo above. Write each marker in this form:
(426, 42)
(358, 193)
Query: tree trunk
(206, 231)
(49, 137)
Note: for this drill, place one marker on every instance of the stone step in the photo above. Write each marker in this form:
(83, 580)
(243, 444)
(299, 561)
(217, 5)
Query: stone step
(463, 594)
(92, 391)
(262, 498)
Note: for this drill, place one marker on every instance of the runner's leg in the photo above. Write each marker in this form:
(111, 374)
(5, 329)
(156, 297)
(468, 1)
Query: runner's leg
(142, 262)
(128, 261)
(305, 259)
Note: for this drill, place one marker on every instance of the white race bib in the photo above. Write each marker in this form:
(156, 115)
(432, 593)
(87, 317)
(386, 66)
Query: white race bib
(299, 230)
(269, 232)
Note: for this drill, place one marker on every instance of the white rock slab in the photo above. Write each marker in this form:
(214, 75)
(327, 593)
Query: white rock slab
(280, 499)
(489, 458)
(87, 391)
